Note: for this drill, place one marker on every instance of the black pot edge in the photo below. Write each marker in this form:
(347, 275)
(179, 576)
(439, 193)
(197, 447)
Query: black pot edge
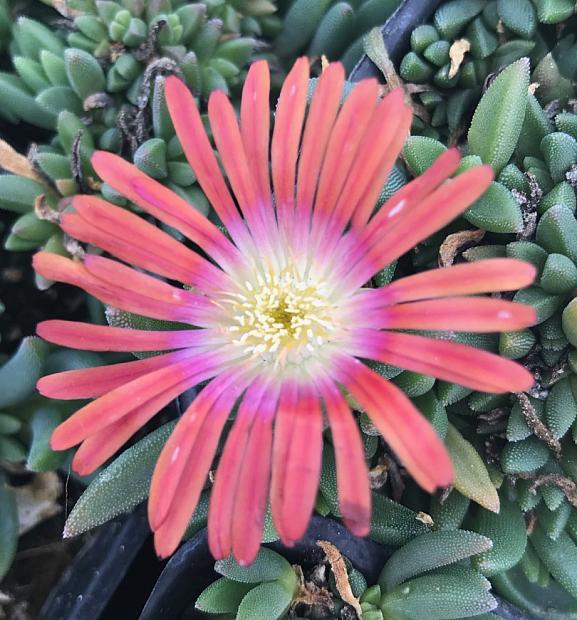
(88, 584)
(397, 32)
(191, 568)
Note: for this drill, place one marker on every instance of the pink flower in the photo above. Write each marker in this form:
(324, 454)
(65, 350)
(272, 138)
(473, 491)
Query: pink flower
(279, 314)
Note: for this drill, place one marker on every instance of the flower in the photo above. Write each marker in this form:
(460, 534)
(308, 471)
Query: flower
(280, 318)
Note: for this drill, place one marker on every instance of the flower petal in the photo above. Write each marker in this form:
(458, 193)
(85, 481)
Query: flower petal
(410, 223)
(207, 432)
(408, 433)
(223, 493)
(459, 314)
(321, 117)
(255, 131)
(196, 145)
(131, 238)
(352, 471)
(342, 150)
(165, 205)
(173, 459)
(483, 276)
(450, 361)
(230, 146)
(378, 150)
(253, 485)
(290, 113)
(296, 465)
(96, 449)
(116, 404)
(93, 382)
(149, 297)
(89, 337)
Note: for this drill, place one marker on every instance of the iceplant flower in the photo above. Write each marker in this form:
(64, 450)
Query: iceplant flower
(281, 318)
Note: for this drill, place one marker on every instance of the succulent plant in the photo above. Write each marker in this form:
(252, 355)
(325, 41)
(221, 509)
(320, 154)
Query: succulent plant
(469, 41)
(97, 81)
(335, 29)
(26, 422)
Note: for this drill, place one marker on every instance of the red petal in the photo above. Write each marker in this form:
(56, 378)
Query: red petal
(165, 205)
(378, 150)
(152, 301)
(98, 448)
(347, 133)
(450, 361)
(255, 130)
(297, 455)
(321, 117)
(421, 187)
(116, 404)
(222, 497)
(411, 223)
(93, 382)
(173, 459)
(190, 484)
(131, 238)
(484, 276)
(352, 471)
(190, 131)
(90, 337)
(290, 113)
(409, 434)
(460, 314)
(253, 486)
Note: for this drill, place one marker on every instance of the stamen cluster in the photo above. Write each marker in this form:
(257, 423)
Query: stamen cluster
(282, 317)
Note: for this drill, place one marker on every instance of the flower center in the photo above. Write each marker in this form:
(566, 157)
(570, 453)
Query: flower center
(282, 318)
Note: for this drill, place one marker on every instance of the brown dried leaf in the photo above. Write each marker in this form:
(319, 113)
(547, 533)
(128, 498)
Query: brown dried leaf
(309, 593)
(14, 162)
(341, 577)
(376, 50)
(62, 6)
(457, 242)
(457, 53)
(425, 518)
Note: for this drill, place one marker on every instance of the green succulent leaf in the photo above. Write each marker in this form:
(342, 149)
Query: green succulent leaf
(8, 526)
(41, 457)
(392, 523)
(471, 476)
(267, 566)
(18, 376)
(222, 596)
(429, 551)
(559, 556)
(446, 594)
(267, 601)
(498, 119)
(496, 211)
(449, 513)
(120, 486)
(524, 456)
(508, 532)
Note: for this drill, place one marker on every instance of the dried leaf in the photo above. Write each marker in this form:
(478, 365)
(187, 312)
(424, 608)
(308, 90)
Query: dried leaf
(376, 50)
(457, 53)
(425, 518)
(38, 501)
(14, 162)
(341, 577)
(457, 242)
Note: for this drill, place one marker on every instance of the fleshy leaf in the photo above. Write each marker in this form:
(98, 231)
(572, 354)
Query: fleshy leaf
(119, 487)
(471, 475)
(498, 119)
(429, 551)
